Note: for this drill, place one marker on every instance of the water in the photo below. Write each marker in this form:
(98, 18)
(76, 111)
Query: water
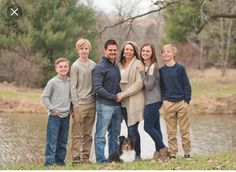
(22, 137)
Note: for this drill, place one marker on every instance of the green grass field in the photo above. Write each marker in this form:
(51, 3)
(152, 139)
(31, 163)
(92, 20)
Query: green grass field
(218, 161)
(203, 86)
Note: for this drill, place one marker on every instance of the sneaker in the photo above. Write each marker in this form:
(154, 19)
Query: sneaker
(187, 157)
(76, 163)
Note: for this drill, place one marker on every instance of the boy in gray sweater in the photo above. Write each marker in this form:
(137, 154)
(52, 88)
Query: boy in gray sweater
(56, 97)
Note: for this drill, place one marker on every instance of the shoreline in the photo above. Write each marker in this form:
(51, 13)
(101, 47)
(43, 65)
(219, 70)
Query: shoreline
(203, 104)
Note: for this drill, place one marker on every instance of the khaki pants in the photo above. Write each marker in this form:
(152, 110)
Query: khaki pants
(173, 112)
(83, 121)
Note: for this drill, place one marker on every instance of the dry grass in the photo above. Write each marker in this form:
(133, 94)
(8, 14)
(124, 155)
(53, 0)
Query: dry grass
(211, 93)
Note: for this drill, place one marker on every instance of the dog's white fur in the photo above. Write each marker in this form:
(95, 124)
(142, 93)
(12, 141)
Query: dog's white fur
(128, 156)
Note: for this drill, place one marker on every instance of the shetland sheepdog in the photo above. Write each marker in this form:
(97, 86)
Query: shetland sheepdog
(126, 149)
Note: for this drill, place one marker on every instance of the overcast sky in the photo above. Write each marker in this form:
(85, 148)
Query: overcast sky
(108, 6)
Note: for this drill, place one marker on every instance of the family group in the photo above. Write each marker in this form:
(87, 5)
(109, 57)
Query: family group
(127, 86)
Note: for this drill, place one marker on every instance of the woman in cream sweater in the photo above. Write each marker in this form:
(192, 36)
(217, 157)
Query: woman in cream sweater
(132, 95)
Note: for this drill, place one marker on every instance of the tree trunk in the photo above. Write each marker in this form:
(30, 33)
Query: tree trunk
(227, 47)
(221, 49)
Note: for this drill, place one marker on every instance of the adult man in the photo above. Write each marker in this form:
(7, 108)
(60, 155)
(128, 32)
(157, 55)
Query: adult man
(106, 79)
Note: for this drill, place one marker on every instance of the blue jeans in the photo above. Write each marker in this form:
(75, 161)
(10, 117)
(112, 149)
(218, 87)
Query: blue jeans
(133, 132)
(108, 119)
(152, 124)
(56, 140)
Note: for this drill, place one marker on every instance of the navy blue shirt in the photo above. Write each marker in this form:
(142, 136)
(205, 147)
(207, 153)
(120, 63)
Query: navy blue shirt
(175, 84)
(106, 82)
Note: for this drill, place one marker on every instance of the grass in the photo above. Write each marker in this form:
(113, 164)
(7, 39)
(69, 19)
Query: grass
(216, 161)
(209, 81)
(204, 82)
(203, 86)
(17, 94)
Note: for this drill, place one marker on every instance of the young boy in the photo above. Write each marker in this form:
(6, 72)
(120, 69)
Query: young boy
(176, 95)
(83, 99)
(56, 97)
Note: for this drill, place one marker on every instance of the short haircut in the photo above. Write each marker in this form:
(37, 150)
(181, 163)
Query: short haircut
(110, 42)
(171, 47)
(83, 42)
(61, 59)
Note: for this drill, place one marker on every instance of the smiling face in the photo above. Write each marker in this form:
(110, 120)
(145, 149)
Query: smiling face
(83, 51)
(111, 52)
(168, 53)
(83, 47)
(128, 51)
(146, 53)
(62, 69)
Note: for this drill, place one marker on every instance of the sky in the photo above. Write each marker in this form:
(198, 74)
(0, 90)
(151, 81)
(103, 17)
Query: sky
(109, 6)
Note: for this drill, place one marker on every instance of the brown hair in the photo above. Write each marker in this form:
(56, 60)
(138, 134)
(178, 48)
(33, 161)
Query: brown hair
(135, 47)
(61, 59)
(153, 58)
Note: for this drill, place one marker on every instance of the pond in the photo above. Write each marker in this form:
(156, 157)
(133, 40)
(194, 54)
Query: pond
(22, 137)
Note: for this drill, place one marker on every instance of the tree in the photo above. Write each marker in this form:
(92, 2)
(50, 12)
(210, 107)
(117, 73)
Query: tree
(49, 29)
(191, 22)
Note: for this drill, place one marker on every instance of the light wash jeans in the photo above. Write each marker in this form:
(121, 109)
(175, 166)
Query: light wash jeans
(108, 119)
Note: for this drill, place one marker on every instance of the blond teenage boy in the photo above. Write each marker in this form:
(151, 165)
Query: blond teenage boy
(176, 96)
(82, 97)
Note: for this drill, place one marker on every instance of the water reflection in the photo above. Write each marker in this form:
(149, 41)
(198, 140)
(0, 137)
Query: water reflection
(22, 137)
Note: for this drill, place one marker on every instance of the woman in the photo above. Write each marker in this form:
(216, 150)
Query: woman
(132, 95)
(151, 79)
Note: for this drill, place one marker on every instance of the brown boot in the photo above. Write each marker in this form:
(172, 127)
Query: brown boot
(156, 155)
(164, 153)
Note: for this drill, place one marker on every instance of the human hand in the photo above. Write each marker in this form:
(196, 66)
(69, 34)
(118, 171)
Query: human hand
(140, 67)
(119, 97)
(54, 112)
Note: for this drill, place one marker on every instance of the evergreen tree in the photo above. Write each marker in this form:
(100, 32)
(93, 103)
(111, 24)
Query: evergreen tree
(48, 28)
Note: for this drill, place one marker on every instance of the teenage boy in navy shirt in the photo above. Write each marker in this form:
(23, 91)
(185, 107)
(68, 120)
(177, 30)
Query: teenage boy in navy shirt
(176, 95)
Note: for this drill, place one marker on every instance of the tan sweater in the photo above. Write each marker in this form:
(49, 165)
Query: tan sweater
(81, 83)
(132, 87)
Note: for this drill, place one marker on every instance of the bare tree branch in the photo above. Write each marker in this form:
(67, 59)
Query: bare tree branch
(213, 17)
(10, 48)
(131, 19)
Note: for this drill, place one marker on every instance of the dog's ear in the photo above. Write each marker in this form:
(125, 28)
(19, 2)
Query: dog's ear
(121, 138)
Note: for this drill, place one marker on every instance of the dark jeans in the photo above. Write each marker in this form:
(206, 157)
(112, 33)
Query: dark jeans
(152, 124)
(56, 140)
(133, 132)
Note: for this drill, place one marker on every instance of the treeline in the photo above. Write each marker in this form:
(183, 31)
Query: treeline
(49, 29)
(205, 29)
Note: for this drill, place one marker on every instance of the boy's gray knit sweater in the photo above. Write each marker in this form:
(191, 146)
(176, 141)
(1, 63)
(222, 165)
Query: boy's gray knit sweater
(56, 96)
(152, 91)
